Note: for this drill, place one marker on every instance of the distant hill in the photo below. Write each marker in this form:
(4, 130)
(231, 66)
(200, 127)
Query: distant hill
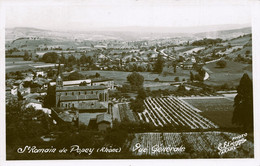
(136, 33)
(225, 34)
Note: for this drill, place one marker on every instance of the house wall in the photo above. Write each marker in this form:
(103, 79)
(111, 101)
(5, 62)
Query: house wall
(108, 84)
(101, 94)
(103, 126)
(70, 104)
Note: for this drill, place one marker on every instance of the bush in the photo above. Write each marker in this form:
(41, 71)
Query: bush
(176, 79)
(76, 76)
(221, 64)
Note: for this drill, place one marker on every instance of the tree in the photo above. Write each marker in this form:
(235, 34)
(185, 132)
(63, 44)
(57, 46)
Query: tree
(76, 76)
(221, 64)
(137, 105)
(243, 104)
(71, 60)
(136, 80)
(50, 57)
(84, 83)
(181, 88)
(141, 94)
(22, 125)
(198, 77)
(27, 57)
(83, 59)
(97, 75)
(174, 64)
(201, 72)
(62, 59)
(191, 77)
(158, 66)
(50, 98)
(156, 80)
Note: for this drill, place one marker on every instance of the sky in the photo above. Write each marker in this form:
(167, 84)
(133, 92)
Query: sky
(101, 14)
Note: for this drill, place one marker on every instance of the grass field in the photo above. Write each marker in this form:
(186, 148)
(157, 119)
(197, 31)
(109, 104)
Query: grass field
(218, 110)
(184, 48)
(240, 41)
(17, 64)
(231, 74)
(231, 67)
(221, 118)
(214, 104)
(120, 76)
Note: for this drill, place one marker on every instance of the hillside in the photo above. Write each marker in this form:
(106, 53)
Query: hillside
(128, 34)
(225, 34)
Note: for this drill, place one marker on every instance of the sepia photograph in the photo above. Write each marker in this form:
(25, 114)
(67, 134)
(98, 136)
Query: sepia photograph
(131, 80)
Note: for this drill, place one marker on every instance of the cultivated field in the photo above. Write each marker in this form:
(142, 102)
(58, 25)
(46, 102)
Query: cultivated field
(126, 114)
(172, 111)
(197, 145)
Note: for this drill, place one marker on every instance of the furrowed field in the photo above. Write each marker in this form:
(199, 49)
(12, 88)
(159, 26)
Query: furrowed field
(183, 112)
(196, 144)
(171, 111)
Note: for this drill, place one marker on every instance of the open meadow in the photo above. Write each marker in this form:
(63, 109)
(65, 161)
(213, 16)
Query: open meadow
(18, 64)
(231, 74)
(120, 77)
(218, 110)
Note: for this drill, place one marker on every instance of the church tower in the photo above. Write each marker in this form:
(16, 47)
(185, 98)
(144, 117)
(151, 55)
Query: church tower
(59, 85)
(59, 81)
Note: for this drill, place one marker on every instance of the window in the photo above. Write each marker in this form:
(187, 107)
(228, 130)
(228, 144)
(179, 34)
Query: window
(72, 93)
(79, 93)
(91, 92)
(66, 93)
(85, 92)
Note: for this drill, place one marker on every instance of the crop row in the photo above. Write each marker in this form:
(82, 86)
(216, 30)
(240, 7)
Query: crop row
(173, 111)
(196, 144)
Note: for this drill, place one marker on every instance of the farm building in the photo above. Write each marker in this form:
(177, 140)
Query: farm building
(109, 83)
(104, 121)
(187, 65)
(61, 115)
(73, 83)
(88, 112)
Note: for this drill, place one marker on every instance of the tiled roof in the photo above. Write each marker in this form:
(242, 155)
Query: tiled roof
(79, 97)
(101, 79)
(80, 88)
(66, 116)
(104, 118)
(91, 106)
(74, 82)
